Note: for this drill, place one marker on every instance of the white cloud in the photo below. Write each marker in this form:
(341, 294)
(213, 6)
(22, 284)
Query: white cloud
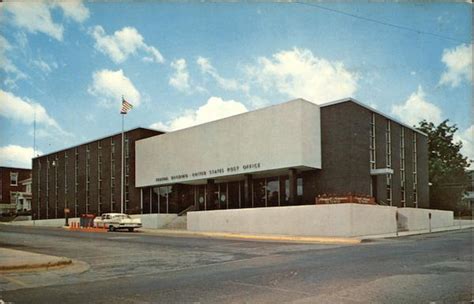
(35, 16)
(109, 86)
(17, 156)
(298, 73)
(215, 108)
(123, 43)
(180, 78)
(225, 83)
(74, 9)
(467, 139)
(416, 108)
(7, 65)
(24, 110)
(44, 66)
(458, 63)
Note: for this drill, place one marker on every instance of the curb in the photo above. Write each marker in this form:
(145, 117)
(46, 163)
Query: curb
(63, 262)
(258, 237)
(90, 229)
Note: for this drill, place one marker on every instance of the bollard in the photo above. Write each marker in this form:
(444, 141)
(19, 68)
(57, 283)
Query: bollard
(396, 222)
(429, 218)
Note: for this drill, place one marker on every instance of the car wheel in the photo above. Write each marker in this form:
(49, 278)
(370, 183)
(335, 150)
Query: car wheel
(130, 229)
(111, 228)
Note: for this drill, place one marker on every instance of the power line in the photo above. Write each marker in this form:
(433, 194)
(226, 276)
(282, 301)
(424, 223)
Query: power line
(401, 27)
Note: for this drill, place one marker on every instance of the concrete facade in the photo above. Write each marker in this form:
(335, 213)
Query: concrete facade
(286, 135)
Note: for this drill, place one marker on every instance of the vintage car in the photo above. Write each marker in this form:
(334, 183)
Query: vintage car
(116, 221)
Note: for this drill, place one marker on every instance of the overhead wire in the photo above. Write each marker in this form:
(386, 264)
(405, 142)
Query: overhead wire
(401, 27)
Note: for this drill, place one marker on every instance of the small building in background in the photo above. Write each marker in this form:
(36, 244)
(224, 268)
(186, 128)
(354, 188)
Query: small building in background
(12, 187)
(469, 195)
(23, 199)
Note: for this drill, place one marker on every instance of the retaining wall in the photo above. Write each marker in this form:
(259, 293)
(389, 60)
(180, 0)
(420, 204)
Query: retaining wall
(342, 220)
(153, 221)
(413, 219)
(44, 223)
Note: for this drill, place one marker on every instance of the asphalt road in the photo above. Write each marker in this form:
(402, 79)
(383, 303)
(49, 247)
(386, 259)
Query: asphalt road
(142, 268)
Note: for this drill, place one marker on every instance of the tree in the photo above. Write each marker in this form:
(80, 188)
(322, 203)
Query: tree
(447, 166)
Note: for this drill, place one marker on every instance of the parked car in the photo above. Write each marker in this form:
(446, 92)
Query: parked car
(116, 221)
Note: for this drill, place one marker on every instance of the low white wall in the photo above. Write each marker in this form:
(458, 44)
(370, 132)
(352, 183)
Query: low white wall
(342, 220)
(413, 219)
(44, 223)
(155, 220)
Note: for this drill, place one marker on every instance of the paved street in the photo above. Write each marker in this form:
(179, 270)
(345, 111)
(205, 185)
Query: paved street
(140, 268)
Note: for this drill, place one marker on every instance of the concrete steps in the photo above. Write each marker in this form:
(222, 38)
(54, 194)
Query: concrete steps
(179, 223)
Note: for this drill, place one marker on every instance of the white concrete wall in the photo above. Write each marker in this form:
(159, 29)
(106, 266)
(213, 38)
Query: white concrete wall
(341, 220)
(155, 220)
(45, 223)
(152, 221)
(281, 136)
(413, 219)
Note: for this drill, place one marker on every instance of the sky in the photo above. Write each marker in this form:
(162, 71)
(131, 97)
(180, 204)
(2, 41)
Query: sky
(64, 66)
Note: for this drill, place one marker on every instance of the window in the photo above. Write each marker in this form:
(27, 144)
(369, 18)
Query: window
(415, 173)
(39, 188)
(402, 167)
(273, 191)
(99, 177)
(88, 170)
(372, 142)
(56, 185)
(299, 190)
(65, 173)
(47, 187)
(388, 161)
(76, 182)
(13, 179)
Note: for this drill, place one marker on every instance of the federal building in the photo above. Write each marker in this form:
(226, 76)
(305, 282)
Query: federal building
(282, 155)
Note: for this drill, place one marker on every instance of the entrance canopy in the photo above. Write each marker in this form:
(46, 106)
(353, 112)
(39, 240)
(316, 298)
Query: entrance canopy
(283, 136)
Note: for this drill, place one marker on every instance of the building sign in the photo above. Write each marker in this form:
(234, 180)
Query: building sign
(210, 173)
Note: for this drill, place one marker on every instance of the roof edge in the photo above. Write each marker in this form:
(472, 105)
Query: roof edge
(97, 139)
(350, 99)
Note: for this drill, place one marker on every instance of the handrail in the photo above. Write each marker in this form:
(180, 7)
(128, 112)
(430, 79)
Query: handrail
(190, 208)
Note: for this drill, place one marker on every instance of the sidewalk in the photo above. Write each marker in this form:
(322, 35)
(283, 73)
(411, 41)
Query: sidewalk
(300, 239)
(254, 237)
(11, 259)
(457, 226)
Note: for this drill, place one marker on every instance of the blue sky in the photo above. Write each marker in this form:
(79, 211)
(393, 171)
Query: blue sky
(182, 64)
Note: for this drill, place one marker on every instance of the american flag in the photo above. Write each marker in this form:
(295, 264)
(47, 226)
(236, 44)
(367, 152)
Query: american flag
(126, 106)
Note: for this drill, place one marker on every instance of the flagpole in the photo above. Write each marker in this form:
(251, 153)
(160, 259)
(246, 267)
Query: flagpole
(121, 171)
(34, 134)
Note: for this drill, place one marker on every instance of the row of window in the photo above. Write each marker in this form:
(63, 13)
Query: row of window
(264, 192)
(55, 165)
(388, 161)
